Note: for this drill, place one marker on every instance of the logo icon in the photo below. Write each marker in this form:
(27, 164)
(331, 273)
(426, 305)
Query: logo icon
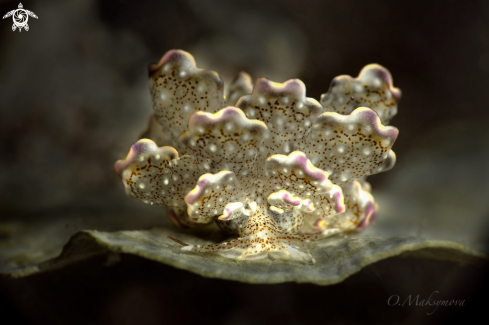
(20, 17)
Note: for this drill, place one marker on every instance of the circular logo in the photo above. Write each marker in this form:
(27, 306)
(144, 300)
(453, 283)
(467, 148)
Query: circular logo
(20, 18)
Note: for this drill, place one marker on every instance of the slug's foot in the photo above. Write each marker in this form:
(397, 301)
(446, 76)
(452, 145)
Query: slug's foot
(266, 243)
(253, 247)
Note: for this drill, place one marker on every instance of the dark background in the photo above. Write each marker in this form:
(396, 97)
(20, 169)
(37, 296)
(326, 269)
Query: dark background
(73, 98)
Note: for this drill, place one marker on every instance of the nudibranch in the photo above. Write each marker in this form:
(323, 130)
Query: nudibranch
(271, 167)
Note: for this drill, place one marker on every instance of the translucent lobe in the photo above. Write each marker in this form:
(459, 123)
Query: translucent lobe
(141, 150)
(372, 88)
(212, 195)
(352, 146)
(328, 204)
(225, 140)
(157, 175)
(232, 211)
(240, 86)
(285, 201)
(360, 211)
(361, 208)
(286, 210)
(285, 110)
(178, 89)
(301, 186)
(297, 174)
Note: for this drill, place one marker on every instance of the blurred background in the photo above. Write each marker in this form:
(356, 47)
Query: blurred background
(74, 98)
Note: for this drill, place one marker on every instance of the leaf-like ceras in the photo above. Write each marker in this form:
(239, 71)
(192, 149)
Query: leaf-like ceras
(216, 194)
(226, 140)
(287, 112)
(372, 88)
(299, 188)
(350, 147)
(360, 210)
(157, 175)
(179, 89)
